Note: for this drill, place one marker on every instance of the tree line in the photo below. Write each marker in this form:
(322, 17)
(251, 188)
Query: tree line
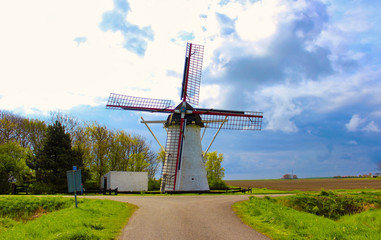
(39, 153)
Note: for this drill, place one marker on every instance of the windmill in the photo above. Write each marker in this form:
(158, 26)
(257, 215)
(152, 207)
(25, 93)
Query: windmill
(184, 167)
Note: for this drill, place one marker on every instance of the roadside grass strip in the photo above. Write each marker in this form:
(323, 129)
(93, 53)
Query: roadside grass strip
(277, 221)
(93, 219)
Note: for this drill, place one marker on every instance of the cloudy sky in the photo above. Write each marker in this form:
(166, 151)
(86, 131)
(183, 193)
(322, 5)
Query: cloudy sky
(312, 67)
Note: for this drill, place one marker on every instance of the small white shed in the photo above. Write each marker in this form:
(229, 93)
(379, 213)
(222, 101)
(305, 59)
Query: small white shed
(125, 181)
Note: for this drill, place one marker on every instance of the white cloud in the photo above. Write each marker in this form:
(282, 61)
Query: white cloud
(260, 21)
(371, 127)
(278, 107)
(359, 124)
(354, 123)
(284, 101)
(45, 68)
(352, 142)
(42, 65)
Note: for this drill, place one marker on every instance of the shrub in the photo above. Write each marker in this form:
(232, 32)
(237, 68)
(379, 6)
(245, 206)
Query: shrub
(218, 185)
(154, 184)
(40, 188)
(326, 204)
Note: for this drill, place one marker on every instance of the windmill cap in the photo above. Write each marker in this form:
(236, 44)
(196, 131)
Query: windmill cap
(191, 118)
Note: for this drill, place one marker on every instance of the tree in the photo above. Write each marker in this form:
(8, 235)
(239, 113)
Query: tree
(34, 132)
(142, 158)
(28, 133)
(159, 161)
(55, 158)
(99, 136)
(9, 127)
(214, 170)
(82, 144)
(12, 165)
(153, 183)
(120, 151)
(70, 123)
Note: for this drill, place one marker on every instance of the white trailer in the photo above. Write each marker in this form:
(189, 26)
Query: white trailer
(125, 181)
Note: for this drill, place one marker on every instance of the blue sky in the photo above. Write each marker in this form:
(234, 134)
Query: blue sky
(312, 67)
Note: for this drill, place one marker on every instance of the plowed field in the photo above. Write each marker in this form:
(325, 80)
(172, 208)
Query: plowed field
(309, 184)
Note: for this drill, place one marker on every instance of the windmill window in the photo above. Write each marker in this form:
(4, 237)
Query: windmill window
(192, 179)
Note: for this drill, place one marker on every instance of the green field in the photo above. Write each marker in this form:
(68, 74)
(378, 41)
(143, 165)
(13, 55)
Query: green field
(326, 215)
(26, 217)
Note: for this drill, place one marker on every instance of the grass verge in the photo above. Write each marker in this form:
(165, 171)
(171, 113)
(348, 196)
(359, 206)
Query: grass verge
(22, 208)
(93, 219)
(280, 222)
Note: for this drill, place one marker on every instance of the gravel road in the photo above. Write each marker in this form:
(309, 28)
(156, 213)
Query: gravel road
(185, 217)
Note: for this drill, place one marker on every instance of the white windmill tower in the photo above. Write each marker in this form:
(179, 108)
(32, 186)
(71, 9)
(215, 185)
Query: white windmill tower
(184, 168)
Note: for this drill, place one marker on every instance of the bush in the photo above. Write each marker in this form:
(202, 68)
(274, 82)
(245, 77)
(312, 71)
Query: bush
(326, 204)
(218, 185)
(91, 185)
(40, 188)
(154, 184)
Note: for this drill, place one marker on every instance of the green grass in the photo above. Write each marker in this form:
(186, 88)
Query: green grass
(280, 222)
(93, 219)
(21, 208)
(271, 191)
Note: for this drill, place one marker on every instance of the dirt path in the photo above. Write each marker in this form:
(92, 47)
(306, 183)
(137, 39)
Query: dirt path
(185, 217)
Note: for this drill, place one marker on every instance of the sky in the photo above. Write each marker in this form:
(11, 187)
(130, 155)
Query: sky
(312, 67)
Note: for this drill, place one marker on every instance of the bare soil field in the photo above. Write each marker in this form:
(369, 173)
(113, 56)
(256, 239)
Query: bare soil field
(309, 184)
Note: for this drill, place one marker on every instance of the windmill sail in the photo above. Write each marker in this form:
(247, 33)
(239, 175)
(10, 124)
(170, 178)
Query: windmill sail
(233, 120)
(124, 102)
(192, 73)
(169, 168)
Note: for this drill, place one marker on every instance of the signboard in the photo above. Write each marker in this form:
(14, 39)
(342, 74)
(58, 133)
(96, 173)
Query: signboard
(74, 181)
